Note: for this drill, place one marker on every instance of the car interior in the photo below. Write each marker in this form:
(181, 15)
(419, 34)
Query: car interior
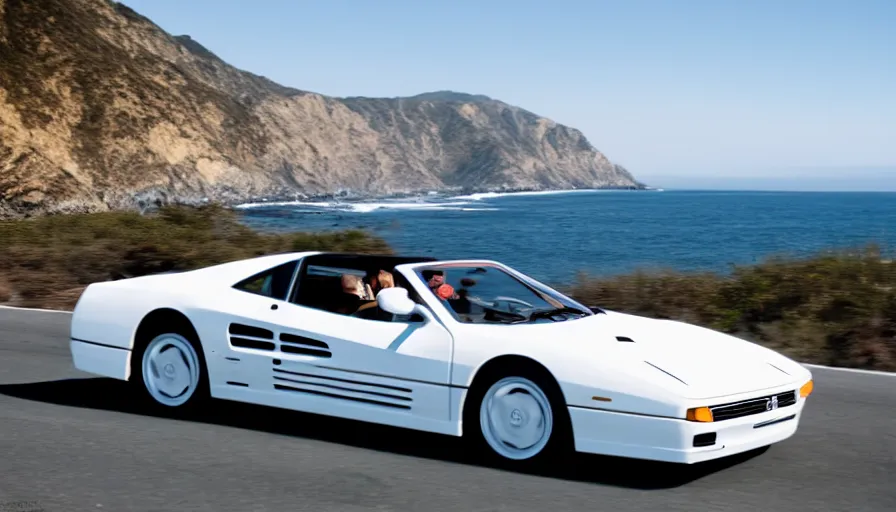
(320, 284)
(347, 284)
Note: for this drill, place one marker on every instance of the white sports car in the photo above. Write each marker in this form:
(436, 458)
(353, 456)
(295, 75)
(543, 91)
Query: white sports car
(463, 348)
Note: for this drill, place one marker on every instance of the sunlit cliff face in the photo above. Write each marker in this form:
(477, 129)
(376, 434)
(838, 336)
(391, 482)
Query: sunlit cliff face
(98, 104)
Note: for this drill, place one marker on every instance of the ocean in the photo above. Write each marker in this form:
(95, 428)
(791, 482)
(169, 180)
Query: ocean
(552, 236)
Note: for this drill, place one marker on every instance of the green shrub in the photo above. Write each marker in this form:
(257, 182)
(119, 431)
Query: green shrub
(836, 308)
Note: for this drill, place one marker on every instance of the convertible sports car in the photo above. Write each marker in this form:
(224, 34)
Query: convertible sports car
(463, 348)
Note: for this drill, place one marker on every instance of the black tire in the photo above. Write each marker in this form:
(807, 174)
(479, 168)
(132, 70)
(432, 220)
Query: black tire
(179, 350)
(483, 432)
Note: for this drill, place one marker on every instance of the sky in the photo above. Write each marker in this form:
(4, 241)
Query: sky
(681, 92)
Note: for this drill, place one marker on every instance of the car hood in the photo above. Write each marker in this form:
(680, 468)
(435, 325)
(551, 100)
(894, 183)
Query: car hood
(695, 361)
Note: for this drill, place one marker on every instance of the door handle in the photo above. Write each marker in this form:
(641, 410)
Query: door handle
(274, 306)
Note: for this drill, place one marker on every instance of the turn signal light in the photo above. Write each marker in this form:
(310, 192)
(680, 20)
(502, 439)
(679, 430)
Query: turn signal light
(701, 414)
(806, 390)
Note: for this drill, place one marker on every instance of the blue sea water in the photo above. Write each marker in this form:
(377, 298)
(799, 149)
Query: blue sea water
(553, 236)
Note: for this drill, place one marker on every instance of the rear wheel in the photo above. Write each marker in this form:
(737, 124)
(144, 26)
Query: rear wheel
(171, 372)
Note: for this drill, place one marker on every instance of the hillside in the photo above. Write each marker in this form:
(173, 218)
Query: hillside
(100, 108)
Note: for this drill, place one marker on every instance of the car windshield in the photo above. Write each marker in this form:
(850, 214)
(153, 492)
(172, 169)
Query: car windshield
(488, 294)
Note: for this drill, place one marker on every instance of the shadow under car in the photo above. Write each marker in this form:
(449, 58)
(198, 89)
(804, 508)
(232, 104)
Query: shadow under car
(114, 395)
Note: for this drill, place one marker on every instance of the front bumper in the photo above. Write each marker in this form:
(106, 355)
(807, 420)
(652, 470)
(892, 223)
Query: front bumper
(672, 440)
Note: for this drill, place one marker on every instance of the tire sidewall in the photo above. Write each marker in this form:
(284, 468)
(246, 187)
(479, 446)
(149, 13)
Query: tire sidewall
(200, 393)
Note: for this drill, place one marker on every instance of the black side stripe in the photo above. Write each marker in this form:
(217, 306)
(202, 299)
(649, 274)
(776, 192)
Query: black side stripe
(281, 387)
(248, 330)
(405, 379)
(343, 388)
(292, 349)
(347, 381)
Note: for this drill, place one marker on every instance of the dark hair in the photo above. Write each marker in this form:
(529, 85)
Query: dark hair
(429, 274)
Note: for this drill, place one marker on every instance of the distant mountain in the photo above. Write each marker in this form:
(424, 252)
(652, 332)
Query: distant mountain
(100, 108)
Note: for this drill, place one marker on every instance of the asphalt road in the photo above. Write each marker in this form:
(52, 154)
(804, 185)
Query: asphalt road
(70, 442)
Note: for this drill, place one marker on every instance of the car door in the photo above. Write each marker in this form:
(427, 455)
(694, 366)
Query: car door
(395, 372)
(280, 353)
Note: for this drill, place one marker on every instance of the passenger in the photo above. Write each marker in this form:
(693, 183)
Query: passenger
(375, 284)
(378, 281)
(385, 280)
(352, 285)
(353, 294)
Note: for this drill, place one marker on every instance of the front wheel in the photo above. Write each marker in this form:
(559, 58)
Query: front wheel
(518, 420)
(171, 371)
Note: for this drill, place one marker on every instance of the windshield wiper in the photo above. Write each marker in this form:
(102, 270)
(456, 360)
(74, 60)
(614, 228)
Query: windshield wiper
(549, 313)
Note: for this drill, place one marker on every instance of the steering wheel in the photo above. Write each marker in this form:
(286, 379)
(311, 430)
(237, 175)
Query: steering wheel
(511, 303)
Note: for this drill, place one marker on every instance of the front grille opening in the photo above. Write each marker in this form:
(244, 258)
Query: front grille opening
(753, 406)
(707, 439)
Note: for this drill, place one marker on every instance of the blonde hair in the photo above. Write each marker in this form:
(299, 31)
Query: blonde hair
(353, 284)
(385, 279)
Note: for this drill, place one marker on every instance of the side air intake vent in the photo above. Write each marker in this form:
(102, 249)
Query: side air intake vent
(624, 339)
(293, 344)
(248, 336)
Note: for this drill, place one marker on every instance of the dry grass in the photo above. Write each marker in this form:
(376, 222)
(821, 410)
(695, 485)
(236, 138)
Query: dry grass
(837, 308)
(46, 261)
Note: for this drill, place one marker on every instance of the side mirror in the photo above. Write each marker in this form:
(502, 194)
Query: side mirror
(396, 301)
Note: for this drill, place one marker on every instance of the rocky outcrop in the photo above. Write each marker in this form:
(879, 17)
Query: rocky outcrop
(100, 108)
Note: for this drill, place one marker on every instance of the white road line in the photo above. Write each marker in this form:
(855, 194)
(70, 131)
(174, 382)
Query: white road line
(16, 308)
(850, 370)
(808, 365)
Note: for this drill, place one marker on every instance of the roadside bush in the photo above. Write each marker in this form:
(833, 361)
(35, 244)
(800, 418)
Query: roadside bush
(47, 261)
(836, 308)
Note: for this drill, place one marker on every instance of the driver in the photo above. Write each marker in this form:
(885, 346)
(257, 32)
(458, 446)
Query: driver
(435, 279)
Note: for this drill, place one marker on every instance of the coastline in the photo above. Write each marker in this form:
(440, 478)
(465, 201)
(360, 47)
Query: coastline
(147, 201)
(446, 193)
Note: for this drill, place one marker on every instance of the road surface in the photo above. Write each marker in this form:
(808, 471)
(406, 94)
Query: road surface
(70, 442)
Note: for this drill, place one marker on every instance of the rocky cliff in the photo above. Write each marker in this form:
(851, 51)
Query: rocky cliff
(100, 108)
